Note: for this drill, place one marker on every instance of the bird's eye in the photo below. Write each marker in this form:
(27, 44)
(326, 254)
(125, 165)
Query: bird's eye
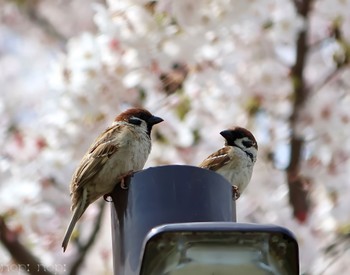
(247, 143)
(135, 121)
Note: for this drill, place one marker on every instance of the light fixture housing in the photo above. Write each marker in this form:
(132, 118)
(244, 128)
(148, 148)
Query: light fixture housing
(220, 248)
(179, 220)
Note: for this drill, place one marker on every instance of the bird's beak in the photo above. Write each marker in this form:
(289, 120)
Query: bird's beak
(154, 120)
(226, 134)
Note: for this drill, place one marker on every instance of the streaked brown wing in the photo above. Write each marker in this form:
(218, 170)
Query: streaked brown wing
(216, 160)
(104, 138)
(98, 154)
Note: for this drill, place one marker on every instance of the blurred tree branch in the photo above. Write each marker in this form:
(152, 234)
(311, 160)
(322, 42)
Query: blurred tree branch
(338, 248)
(84, 248)
(298, 196)
(23, 257)
(299, 185)
(328, 78)
(29, 9)
(341, 58)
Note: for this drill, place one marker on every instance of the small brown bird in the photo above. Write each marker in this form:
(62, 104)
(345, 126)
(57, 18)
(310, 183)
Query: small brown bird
(120, 150)
(235, 161)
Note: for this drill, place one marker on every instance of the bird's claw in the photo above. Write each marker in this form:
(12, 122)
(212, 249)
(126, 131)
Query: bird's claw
(124, 184)
(107, 197)
(236, 193)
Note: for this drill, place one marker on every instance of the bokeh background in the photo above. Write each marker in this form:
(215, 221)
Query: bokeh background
(278, 67)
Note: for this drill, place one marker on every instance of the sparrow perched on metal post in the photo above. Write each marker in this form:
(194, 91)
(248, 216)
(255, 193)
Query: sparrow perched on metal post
(119, 151)
(235, 161)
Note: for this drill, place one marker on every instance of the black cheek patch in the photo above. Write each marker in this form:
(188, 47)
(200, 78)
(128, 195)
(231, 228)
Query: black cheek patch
(247, 144)
(250, 155)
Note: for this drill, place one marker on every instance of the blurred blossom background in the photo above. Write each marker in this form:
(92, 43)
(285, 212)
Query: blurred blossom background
(278, 67)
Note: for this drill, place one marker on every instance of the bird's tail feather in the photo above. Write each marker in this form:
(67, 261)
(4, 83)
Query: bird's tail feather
(78, 212)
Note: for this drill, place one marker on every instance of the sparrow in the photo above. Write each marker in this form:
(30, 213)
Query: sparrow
(235, 161)
(173, 81)
(117, 153)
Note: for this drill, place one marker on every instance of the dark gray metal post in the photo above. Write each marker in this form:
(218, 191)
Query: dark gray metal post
(163, 195)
